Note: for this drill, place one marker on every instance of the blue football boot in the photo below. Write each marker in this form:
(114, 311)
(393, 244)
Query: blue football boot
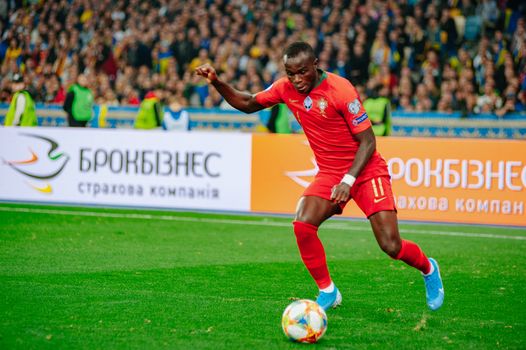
(328, 300)
(434, 287)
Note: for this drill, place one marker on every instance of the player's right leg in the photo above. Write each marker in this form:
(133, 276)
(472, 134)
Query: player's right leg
(311, 212)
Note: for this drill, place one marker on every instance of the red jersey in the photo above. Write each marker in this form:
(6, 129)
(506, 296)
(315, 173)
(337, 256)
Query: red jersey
(330, 115)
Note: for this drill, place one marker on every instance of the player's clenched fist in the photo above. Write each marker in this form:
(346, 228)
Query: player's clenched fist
(208, 72)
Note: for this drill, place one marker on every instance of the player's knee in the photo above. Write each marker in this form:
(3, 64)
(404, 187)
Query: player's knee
(302, 229)
(301, 217)
(391, 247)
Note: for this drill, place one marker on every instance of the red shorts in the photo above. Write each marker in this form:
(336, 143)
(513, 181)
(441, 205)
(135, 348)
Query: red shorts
(372, 195)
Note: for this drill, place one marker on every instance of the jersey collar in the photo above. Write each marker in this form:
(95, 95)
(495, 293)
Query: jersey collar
(323, 75)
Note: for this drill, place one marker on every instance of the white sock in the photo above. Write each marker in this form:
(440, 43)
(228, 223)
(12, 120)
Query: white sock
(430, 271)
(329, 289)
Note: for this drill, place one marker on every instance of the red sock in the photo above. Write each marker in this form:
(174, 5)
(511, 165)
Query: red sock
(312, 252)
(412, 255)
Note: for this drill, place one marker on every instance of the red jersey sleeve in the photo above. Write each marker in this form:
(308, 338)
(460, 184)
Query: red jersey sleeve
(271, 95)
(349, 105)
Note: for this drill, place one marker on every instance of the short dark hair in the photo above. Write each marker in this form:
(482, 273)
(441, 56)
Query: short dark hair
(294, 49)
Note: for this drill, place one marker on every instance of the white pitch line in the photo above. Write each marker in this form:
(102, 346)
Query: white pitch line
(452, 233)
(332, 226)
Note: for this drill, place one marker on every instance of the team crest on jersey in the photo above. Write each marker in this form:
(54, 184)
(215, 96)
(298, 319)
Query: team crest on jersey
(322, 105)
(307, 103)
(354, 106)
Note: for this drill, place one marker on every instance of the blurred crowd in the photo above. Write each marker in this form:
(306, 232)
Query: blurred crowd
(425, 55)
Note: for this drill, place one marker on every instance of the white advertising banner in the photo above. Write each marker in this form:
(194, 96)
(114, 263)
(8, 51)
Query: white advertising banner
(126, 167)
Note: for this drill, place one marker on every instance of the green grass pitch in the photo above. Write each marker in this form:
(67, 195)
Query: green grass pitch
(95, 278)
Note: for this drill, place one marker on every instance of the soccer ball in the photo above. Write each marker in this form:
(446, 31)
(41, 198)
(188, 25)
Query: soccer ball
(304, 321)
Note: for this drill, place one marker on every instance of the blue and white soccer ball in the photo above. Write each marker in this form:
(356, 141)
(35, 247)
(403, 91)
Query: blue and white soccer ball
(304, 321)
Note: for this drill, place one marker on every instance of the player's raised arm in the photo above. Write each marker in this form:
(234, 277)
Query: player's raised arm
(240, 100)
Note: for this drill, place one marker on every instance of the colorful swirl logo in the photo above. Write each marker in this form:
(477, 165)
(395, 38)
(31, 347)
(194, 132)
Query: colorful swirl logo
(32, 167)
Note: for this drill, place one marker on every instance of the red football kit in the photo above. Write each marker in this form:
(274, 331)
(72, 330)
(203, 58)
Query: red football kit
(330, 115)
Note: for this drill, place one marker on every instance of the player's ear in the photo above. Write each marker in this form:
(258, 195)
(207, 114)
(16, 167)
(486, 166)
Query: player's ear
(315, 63)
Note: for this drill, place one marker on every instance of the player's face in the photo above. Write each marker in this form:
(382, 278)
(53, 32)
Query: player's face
(302, 72)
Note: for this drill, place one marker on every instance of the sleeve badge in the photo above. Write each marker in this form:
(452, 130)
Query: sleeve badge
(354, 106)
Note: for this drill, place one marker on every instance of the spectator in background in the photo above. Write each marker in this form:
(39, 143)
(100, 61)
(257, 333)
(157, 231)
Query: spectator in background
(150, 111)
(433, 34)
(465, 95)
(109, 99)
(176, 117)
(461, 61)
(55, 93)
(489, 12)
(131, 97)
(448, 33)
(214, 99)
(518, 40)
(489, 101)
(404, 104)
(358, 61)
(378, 108)
(3, 10)
(280, 119)
(13, 53)
(422, 100)
(142, 45)
(416, 43)
(520, 105)
(79, 103)
(380, 52)
(201, 59)
(21, 110)
(511, 103)
(446, 102)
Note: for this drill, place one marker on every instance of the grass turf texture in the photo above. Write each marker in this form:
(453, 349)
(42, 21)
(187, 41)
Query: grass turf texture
(92, 278)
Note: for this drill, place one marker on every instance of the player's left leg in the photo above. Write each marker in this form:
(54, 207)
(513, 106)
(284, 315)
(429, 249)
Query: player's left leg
(385, 228)
(375, 198)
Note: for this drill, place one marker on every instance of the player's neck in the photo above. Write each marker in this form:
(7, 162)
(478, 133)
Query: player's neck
(320, 76)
